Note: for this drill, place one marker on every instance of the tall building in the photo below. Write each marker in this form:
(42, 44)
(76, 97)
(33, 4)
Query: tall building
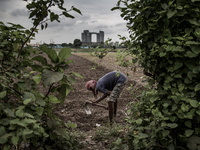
(86, 37)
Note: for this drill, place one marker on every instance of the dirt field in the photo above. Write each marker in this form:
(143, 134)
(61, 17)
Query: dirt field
(73, 108)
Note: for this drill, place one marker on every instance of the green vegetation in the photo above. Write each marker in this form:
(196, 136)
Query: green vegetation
(106, 132)
(164, 35)
(77, 43)
(26, 115)
(164, 40)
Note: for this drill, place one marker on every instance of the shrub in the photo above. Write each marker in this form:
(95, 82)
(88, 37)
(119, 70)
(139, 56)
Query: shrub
(165, 37)
(26, 116)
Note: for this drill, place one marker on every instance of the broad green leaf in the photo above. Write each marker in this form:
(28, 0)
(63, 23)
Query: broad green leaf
(53, 136)
(198, 112)
(170, 146)
(153, 99)
(188, 123)
(165, 133)
(41, 102)
(52, 123)
(15, 139)
(193, 141)
(181, 87)
(37, 68)
(50, 77)
(15, 121)
(71, 79)
(178, 76)
(171, 13)
(27, 131)
(5, 121)
(40, 59)
(190, 54)
(13, 127)
(162, 54)
(195, 49)
(184, 107)
(77, 74)
(190, 114)
(61, 132)
(51, 54)
(188, 30)
(37, 78)
(39, 111)
(22, 85)
(172, 125)
(65, 67)
(188, 133)
(142, 135)
(3, 94)
(177, 65)
(139, 121)
(177, 49)
(69, 61)
(9, 112)
(2, 130)
(190, 75)
(197, 32)
(197, 87)
(192, 21)
(20, 113)
(53, 99)
(194, 103)
(190, 64)
(28, 115)
(62, 93)
(3, 140)
(26, 101)
(28, 121)
(71, 125)
(179, 7)
(63, 54)
(164, 6)
(174, 107)
(191, 42)
(28, 95)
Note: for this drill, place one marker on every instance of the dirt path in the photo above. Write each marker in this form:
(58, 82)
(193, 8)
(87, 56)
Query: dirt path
(73, 109)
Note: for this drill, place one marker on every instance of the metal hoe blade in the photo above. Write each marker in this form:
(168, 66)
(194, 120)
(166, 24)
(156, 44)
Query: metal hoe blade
(87, 109)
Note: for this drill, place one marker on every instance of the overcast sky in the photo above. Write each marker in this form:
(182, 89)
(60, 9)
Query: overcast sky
(96, 15)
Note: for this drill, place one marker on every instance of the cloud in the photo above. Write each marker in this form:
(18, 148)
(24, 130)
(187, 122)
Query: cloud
(93, 21)
(96, 15)
(20, 12)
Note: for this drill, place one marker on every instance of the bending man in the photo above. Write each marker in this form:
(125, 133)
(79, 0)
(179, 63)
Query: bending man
(110, 85)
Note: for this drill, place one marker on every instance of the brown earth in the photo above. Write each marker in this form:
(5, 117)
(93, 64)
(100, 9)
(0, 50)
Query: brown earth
(73, 108)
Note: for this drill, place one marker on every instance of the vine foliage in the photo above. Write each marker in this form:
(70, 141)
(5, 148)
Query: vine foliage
(26, 115)
(165, 35)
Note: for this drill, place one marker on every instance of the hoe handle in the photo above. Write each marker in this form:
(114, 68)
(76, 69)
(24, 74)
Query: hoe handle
(93, 104)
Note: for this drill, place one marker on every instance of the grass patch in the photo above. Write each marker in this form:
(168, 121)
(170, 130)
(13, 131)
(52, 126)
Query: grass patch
(107, 132)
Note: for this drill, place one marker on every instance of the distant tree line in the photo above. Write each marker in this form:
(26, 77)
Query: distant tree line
(77, 44)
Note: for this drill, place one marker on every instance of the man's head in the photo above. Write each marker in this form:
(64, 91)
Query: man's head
(91, 85)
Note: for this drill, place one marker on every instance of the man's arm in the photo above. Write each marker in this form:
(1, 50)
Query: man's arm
(103, 97)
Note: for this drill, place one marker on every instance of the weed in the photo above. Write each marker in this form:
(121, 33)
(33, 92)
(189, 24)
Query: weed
(106, 132)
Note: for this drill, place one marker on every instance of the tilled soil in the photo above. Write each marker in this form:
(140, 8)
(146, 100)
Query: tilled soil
(73, 108)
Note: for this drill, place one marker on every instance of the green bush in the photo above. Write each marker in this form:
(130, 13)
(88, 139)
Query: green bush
(26, 115)
(165, 35)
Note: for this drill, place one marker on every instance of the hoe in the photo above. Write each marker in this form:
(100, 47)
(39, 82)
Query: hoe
(87, 109)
